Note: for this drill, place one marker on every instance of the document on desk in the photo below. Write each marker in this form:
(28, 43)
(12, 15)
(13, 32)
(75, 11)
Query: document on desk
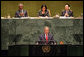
(63, 17)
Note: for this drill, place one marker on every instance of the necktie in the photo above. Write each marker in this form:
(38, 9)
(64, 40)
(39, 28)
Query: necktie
(46, 38)
(66, 13)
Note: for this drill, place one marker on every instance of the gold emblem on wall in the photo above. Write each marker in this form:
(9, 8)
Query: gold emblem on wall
(46, 49)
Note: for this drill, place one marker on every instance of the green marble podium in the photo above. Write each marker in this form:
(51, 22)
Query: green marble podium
(27, 31)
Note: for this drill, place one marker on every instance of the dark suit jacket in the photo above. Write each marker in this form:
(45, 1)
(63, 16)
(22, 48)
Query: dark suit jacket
(18, 12)
(70, 13)
(42, 37)
(43, 15)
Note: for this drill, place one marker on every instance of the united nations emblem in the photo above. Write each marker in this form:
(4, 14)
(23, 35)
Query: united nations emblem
(46, 49)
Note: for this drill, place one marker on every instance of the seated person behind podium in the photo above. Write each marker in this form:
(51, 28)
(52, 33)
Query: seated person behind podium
(44, 12)
(67, 12)
(46, 36)
(21, 12)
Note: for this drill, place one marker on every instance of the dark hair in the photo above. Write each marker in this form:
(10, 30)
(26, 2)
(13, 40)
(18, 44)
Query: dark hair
(67, 4)
(44, 6)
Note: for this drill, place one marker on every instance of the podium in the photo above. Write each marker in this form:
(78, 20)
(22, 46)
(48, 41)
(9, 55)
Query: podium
(48, 50)
(45, 50)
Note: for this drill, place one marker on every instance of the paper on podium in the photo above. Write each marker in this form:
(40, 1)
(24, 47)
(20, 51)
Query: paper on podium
(63, 17)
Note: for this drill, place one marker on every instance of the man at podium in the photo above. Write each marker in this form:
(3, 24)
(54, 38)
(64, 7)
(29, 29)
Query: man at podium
(46, 38)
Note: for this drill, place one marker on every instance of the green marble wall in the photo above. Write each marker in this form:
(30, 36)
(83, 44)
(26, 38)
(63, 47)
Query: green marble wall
(27, 31)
